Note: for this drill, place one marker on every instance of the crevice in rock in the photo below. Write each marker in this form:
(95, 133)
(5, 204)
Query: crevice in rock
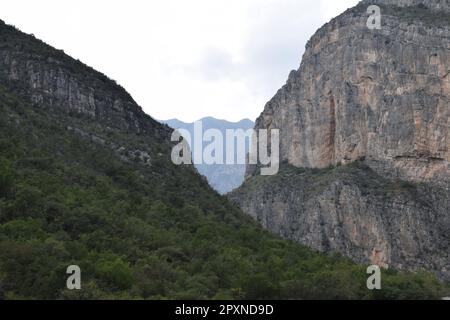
(332, 137)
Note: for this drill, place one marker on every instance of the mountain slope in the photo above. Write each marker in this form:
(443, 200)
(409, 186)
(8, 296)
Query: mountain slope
(356, 212)
(379, 97)
(86, 179)
(223, 178)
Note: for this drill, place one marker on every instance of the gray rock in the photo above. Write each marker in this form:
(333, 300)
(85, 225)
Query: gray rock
(382, 95)
(356, 212)
(48, 78)
(377, 96)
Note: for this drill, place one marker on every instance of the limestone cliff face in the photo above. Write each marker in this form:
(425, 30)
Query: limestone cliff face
(380, 97)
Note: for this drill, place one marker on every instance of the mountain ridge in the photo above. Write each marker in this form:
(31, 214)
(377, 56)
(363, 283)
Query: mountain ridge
(61, 85)
(245, 121)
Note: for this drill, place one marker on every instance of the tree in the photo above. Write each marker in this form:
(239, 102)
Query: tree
(116, 272)
(6, 178)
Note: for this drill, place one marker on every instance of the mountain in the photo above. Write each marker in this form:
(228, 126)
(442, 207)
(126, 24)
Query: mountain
(365, 141)
(222, 177)
(86, 179)
(213, 123)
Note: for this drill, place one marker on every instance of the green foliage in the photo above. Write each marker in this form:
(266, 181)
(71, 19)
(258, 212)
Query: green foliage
(140, 232)
(115, 271)
(417, 15)
(6, 178)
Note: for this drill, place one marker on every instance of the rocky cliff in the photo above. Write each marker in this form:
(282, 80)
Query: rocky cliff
(87, 102)
(49, 78)
(380, 97)
(356, 212)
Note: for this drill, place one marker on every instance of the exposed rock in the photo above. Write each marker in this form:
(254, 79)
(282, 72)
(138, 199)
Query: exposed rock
(138, 156)
(356, 212)
(382, 95)
(48, 78)
(377, 96)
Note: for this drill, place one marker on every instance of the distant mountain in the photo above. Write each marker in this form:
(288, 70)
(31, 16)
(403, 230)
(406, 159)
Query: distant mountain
(212, 123)
(223, 178)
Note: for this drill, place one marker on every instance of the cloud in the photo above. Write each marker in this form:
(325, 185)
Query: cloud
(213, 64)
(275, 42)
(272, 40)
(183, 59)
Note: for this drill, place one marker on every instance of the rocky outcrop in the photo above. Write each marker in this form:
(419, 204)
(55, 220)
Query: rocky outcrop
(48, 78)
(382, 95)
(356, 212)
(379, 97)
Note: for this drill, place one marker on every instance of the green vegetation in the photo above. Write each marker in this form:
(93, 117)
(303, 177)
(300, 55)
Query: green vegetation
(139, 232)
(412, 14)
(30, 48)
(368, 181)
(420, 13)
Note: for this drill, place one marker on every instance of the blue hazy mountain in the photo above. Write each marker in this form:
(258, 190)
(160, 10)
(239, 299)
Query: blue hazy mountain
(223, 178)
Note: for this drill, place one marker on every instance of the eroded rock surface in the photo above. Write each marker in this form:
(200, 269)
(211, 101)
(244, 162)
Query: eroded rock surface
(356, 212)
(382, 95)
(380, 98)
(48, 78)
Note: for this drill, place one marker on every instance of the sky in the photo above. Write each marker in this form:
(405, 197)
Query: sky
(183, 59)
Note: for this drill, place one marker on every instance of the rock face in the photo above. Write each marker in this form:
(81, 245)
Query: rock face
(376, 96)
(47, 77)
(382, 95)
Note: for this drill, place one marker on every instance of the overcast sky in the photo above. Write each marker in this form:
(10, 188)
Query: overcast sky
(183, 59)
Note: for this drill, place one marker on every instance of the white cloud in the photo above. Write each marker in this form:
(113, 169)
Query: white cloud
(183, 59)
